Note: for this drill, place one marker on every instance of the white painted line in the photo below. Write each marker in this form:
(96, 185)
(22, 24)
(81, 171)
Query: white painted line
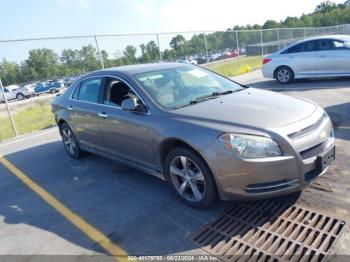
(25, 137)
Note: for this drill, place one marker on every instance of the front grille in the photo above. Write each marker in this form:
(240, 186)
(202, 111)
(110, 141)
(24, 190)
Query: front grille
(269, 231)
(312, 151)
(308, 129)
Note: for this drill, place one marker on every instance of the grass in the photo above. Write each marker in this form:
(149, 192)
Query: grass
(233, 68)
(35, 117)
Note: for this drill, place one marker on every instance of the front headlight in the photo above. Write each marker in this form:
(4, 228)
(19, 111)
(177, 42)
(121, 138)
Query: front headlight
(250, 146)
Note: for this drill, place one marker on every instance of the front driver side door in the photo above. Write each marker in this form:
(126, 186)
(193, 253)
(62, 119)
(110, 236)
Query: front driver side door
(127, 135)
(333, 58)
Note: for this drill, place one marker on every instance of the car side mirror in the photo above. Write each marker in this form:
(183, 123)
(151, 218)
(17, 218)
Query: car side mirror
(130, 104)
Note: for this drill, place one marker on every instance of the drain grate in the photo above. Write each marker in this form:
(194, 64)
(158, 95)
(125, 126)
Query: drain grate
(269, 231)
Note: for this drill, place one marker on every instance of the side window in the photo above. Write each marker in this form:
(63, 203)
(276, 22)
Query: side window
(325, 45)
(116, 92)
(338, 45)
(309, 46)
(89, 90)
(5, 90)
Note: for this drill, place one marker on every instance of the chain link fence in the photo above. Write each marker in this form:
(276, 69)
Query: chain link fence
(32, 69)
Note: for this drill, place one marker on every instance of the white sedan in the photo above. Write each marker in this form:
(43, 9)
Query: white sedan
(326, 56)
(17, 92)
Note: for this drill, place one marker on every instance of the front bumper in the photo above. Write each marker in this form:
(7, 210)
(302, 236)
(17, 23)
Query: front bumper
(239, 178)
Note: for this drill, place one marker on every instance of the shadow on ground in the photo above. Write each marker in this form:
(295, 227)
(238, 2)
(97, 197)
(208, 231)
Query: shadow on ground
(340, 116)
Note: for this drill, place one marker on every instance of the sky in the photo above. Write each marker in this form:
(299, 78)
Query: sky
(48, 18)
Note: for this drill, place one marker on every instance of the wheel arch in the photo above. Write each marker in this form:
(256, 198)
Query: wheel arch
(278, 67)
(170, 143)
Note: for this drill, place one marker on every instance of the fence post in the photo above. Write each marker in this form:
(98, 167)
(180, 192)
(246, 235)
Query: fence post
(99, 53)
(160, 52)
(206, 46)
(238, 50)
(278, 39)
(8, 109)
(261, 42)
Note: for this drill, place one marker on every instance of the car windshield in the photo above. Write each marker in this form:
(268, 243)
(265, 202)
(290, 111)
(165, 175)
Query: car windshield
(176, 87)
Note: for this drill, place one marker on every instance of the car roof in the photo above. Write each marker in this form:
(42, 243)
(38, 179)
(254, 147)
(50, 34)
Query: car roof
(140, 68)
(12, 87)
(335, 37)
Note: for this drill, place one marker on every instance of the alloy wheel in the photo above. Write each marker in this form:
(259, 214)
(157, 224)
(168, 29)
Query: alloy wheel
(187, 179)
(283, 75)
(20, 97)
(69, 140)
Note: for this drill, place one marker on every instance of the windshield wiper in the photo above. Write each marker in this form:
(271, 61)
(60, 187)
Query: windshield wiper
(196, 100)
(207, 97)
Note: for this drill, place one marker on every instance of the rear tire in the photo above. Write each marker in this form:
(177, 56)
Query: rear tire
(284, 75)
(190, 178)
(69, 141)
(20, 96)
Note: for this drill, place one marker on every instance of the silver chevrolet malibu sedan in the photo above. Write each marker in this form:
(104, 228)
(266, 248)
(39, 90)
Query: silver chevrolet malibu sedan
(207, 136)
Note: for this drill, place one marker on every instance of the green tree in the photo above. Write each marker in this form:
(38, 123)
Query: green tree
(130, 54)
(325, 7)
(43, 63)
(269, 24)
(10, 72)
(177, 42)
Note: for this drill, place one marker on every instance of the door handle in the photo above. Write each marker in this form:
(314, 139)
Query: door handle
(322, 56)
(70, 108)
(102, 115)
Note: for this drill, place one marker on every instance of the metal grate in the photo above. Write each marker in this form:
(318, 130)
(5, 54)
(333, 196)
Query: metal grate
(269, 231)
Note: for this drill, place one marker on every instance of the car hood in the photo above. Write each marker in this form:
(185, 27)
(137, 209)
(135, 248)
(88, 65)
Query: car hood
(250, 107)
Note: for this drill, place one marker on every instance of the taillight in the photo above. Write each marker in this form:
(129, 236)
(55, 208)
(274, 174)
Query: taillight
(266, 60)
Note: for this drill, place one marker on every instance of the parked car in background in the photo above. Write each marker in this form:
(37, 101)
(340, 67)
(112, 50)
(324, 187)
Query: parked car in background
(188, 60)
(49, 87)
(17, 92)
(208, 136)
(201, 60)
(326, 56)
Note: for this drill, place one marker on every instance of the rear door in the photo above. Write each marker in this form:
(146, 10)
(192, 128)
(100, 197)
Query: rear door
(302, 58)
(333, 57)
(84, 106)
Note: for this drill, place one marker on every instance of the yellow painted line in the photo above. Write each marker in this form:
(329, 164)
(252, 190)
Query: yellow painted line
(93, 233)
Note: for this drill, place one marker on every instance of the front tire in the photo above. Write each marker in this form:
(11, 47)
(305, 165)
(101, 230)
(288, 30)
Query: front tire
(284, 75)
(190, 178)
(69, 141)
